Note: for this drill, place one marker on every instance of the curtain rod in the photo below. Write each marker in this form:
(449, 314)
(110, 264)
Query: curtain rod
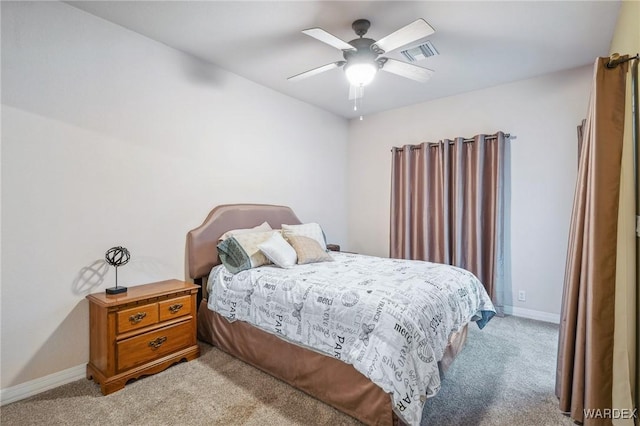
(506, 135)
(614, 60)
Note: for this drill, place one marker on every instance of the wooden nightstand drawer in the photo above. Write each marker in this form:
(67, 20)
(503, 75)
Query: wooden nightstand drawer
(175, 308)
(138, 317)
(140, 349)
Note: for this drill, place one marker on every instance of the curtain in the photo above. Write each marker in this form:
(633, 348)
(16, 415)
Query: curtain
(626, 314)
(448, 205)
(585, 349)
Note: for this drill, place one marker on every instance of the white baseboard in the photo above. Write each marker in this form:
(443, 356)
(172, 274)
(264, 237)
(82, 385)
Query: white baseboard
(33, 387)
(532, 314)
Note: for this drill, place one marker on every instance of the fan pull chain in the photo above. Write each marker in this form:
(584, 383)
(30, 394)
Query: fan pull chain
(357, 92)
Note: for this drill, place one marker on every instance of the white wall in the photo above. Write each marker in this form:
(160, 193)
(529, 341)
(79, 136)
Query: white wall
(110, 138)
(543, 113)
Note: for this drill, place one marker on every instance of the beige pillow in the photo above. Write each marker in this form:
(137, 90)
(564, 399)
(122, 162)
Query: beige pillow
(311, 230)
(249, 242)
(308, 250)
(263, 227)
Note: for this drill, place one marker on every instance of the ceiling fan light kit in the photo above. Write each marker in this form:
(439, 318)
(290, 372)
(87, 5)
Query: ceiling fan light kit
(363, 56)
(360, 74)
(361, 66)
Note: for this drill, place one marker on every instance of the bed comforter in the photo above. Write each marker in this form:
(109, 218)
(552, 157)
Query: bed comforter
(389, 318)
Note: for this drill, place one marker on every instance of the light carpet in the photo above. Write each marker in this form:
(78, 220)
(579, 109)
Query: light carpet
(504, 376)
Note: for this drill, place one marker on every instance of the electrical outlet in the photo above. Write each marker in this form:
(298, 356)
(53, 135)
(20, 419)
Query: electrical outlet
(522, 296)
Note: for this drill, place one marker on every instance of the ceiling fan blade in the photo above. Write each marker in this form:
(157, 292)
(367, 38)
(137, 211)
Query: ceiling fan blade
(408, 34)
(406, 70)
(330, 39)
(315, 71)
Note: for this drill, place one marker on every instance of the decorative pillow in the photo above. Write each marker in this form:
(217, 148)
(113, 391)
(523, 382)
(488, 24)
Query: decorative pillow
(280, 252)
(310, 230)
(241, 251)
(308, 250)
(263, 227)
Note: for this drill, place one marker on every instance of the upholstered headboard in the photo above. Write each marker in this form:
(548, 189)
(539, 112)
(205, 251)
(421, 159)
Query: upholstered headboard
(202, 252)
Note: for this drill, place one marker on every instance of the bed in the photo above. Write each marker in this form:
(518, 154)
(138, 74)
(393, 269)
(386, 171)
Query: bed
(319, 373)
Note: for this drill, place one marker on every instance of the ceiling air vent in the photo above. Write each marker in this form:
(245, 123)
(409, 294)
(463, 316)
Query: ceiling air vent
(421, 52)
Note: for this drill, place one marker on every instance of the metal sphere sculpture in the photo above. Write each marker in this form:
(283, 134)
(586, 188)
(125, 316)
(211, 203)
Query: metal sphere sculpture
(117, 256)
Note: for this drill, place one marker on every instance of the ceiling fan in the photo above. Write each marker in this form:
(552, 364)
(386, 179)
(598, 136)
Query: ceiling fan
(363, 56)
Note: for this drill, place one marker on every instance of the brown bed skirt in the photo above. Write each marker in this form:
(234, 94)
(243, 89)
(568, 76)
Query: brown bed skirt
(323, 377)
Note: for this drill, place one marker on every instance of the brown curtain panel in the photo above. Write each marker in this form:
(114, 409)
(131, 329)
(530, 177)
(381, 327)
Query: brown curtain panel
(448, 205)
(585, 351)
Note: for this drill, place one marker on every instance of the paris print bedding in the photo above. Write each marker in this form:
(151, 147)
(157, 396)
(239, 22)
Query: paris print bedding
(389, 318)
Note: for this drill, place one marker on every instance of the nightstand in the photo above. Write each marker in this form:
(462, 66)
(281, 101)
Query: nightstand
(140, 332)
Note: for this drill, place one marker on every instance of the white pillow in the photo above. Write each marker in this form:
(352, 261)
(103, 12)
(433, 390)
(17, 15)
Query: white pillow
(278, 251)
(264, 226)
(310, 230)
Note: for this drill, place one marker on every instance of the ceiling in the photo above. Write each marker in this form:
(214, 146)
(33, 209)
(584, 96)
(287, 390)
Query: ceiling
(481, 44)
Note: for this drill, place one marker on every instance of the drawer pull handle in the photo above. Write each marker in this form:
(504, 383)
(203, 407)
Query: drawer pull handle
(137, 317)
(175, 308)
(155, 344)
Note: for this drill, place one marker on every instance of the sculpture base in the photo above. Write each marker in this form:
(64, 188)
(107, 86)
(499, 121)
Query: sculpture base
(116, 290)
